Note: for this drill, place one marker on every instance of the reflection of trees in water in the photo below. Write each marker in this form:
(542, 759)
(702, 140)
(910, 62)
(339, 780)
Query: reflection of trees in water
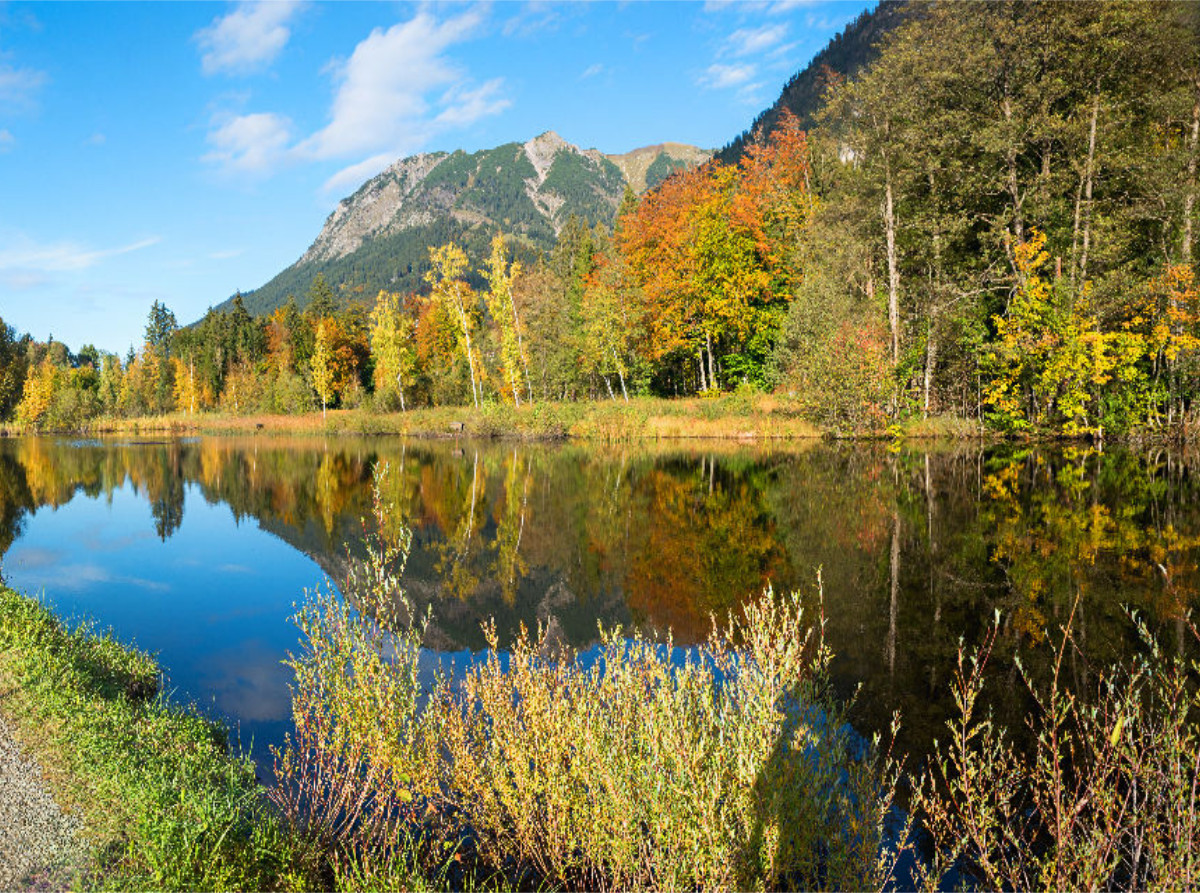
(15, 500)
(916, 548)
(164, 488)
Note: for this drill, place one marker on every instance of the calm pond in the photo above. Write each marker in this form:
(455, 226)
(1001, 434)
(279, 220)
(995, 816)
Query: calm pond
(196, 549)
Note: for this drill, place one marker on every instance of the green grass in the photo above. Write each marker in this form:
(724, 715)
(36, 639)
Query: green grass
(163, 803)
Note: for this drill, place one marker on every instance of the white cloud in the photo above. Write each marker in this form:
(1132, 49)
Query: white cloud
(18, 86)
(250, 144)
(396, 90)
(464, 106)
(752, 94)
(247, 39)
(96, 139)
(534, 18)
(780, 7)
(7, 140)
(591, 71)
(26, 264)
(355, 174)
(752, 41)
(721, 77)
(381, 101)
(26, 256)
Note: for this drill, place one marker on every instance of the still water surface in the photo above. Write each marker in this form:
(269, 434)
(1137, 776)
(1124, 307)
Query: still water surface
(197, 549)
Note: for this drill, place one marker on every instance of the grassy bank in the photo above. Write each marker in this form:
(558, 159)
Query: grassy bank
(732, 416)
(163, 804)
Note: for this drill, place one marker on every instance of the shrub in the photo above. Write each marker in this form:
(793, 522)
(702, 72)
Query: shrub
(728, 766)
(1108, 800)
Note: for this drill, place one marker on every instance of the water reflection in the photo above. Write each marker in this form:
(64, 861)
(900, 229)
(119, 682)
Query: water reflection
(198, 548)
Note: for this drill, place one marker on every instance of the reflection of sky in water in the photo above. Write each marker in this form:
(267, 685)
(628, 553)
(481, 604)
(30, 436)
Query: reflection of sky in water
(212, 601)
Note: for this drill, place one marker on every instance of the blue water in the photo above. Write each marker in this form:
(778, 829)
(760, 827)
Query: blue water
(212, 601)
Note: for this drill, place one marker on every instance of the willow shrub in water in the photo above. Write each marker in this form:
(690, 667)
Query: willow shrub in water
(1108, 799)
(346, 776)
(733, 767)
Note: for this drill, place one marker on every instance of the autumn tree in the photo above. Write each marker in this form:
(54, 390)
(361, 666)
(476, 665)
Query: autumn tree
(450, 291)
(322, 366)
(392, 345)
(500, 274)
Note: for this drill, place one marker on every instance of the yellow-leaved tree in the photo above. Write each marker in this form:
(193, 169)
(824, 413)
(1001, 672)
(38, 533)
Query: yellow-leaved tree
(1052, 359)
(455, 296)
(392, 345)
(38, 394)
(322, 366)
(500, 274)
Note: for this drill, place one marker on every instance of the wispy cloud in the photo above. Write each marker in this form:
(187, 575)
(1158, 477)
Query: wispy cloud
(591, 71)
(534, 18)
(96, 139)
(249, 144)
(383, 92)
(396, 90)
(754, 41)
(356, 173)
(247, 39)
(25, 263)
(721, 77)
(463, 105)
(7, 140)
(19, 86)
(770, 7)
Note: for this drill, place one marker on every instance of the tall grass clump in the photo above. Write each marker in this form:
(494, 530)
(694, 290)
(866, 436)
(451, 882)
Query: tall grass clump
(1107, 800)
(637, 765)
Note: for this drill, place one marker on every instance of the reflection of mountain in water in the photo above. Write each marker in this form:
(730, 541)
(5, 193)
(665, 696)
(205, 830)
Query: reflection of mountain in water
(916, 550)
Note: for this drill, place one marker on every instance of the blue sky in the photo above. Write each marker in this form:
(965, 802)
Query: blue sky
(180, 151)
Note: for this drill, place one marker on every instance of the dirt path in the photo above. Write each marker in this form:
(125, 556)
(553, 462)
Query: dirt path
(39, 845)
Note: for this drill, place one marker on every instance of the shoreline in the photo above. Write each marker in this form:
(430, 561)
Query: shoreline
(158, 799)
(731, 417)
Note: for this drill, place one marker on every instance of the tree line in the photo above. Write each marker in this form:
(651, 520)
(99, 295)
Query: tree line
(995, 219)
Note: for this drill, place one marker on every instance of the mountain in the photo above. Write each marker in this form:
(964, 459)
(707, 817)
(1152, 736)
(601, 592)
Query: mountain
(846, 54)
(645, 168)
(380, 236)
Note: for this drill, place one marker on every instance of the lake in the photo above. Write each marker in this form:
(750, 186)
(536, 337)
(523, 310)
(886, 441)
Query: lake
(197, 550)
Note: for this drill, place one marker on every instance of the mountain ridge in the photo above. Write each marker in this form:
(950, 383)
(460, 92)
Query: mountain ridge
(378, 237)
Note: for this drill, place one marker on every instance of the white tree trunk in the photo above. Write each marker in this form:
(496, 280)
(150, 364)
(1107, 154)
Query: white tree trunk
(889, 223)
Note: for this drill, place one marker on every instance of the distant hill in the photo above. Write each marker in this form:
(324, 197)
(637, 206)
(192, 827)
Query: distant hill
(850, 51)
(647, 167)
(379, 237)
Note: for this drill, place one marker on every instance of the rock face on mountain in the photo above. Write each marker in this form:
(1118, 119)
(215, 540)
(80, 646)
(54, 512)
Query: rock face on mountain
(379, 237)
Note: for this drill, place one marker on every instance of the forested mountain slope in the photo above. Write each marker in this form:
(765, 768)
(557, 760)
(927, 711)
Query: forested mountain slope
(847, 54)
(379, 237)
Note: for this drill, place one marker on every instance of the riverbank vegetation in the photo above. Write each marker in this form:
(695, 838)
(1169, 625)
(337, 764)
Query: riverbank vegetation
(162, 802)
(736, 416)
(730, 766)
(541, 765)
(995, 220)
